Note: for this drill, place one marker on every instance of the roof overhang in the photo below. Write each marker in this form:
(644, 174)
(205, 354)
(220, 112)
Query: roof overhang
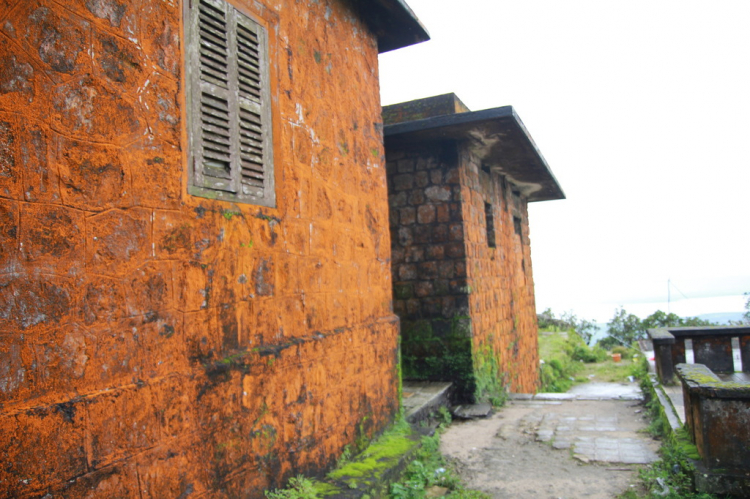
(393, 23)
(497, 136)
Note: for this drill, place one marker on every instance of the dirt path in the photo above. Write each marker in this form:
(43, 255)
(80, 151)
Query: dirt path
(552, 449)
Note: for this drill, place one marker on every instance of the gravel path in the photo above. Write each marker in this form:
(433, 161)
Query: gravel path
(553, 448)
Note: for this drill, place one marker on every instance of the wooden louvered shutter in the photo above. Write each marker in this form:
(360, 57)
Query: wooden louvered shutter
(230, 118)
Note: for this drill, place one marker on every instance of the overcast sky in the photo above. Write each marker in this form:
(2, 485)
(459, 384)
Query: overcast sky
(642, 111)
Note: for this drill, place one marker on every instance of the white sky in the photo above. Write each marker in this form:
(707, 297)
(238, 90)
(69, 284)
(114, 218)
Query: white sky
(642, 111)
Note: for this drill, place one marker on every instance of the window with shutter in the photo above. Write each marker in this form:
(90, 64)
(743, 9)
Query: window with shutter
(229, 105)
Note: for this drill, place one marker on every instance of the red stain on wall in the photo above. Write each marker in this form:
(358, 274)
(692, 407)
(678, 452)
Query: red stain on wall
(154, 344)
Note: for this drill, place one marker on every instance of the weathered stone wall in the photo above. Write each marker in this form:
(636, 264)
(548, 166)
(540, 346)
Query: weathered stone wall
(504, 328)
(429, 263)
(467, 309)
(154, 344)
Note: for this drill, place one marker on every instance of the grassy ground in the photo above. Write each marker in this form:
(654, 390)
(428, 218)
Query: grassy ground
(607, 371)
(568, 361)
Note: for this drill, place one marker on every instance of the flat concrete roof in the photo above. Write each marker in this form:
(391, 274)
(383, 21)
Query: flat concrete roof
(395, 25)
(498, 136)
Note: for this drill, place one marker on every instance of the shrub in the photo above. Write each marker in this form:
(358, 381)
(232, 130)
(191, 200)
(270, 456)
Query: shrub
(624, 351)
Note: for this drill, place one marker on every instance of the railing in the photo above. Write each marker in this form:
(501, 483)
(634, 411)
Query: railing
(712, 347)
(717, 415)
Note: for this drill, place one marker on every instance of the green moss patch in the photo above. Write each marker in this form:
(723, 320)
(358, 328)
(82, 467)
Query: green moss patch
(439, 350)
(381, 455)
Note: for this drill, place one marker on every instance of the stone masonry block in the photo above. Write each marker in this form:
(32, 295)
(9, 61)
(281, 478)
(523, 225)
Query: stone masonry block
(423, 234)
(321, 239)
(121, 423)
(428, 270)
(287, 279)
(10, 166)
(423, 289)
(442, 287)
(158, 100)
(52, 238)
(443, 213)
(56, 36)
(87, 109)
(405, 166)
(17, 76)
(436, 252)
(454, 250)
(42, 446)
(18, 376)
(173, 396)
(161, 344)
(405, 236)
(407, 272)
(155, 168)
(417, 197)
(173, 234)
(92, 177)
(414, 254)
(397, 199)
(8, 235)
(160, 35)
(43, 299)
(407, 216)
(119, 355)
(431, 306)
(24, 149)
(436, 177)
(440, 233)
(118, 17)
(118, 240)
(447, 269)
(202, 344)
(456, 232)
(193, 286)
(403, 182)
(63, 356)
(438, 193)
(426, 163)
(426, 214)
(119, 61)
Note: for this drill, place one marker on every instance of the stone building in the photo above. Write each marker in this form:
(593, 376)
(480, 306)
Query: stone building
(195, 287)
(459, 183)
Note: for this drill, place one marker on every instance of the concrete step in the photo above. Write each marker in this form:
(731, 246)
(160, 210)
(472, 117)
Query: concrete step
(422, 398)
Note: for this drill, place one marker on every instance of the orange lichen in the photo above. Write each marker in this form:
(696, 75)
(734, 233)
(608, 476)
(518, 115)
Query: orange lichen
(157, 344)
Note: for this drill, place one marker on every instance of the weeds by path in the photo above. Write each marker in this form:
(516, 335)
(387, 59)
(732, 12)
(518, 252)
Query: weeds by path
(671, 476)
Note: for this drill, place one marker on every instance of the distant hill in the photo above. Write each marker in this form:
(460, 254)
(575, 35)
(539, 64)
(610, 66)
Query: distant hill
(722, 318)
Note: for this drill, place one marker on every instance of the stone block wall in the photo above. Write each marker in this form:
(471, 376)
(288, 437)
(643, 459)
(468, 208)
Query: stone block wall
(155, 344)
(429, 263)
(467, 309)
(501, 300)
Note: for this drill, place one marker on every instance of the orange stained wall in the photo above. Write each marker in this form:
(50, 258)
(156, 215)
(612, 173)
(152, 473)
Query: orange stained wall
(154, 344)
(501, 300)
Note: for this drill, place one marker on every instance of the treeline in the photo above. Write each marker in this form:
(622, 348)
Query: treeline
(625, 328)
(622, 330)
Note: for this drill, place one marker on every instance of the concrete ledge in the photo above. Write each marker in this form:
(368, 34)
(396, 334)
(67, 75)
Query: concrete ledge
(669, 411)
(422, 398)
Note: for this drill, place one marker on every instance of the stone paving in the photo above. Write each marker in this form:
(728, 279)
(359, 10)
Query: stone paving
(596, 436)
(593, 438)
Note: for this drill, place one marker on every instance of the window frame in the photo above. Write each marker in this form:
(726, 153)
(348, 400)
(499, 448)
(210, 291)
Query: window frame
(246, 172)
